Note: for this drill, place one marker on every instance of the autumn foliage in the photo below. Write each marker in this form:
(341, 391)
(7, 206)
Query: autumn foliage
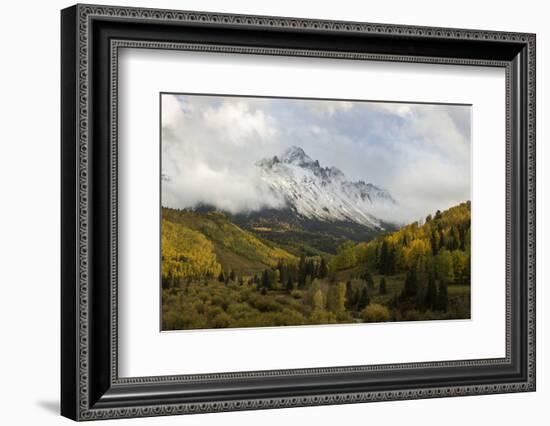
(217, 275)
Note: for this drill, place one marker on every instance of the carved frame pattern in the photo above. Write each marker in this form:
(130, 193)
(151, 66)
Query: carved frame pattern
(85, 13)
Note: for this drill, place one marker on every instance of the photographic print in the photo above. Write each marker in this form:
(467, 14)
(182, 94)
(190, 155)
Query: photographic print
(290, 211)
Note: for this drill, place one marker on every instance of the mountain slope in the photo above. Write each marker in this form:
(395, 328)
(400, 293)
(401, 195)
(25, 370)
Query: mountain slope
(186, 254)
(322, 193)
(322, 208)
(444, 234)
(234, 247)
(298, 234)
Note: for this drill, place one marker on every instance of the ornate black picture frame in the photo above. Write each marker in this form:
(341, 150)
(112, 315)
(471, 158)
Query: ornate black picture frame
(91, 36)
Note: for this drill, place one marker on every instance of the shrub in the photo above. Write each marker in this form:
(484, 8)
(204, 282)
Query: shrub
(265, 304)
(222, 320)
(375, 313)
(319, 316)
(296, 294)
(413, 315)
(343, 317)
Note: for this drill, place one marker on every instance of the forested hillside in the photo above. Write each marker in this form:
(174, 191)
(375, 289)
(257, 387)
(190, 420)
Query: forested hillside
(186, 255)
(432, 256)
(198, 239)
(217, 275)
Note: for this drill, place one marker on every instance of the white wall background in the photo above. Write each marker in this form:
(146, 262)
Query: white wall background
(29, 213)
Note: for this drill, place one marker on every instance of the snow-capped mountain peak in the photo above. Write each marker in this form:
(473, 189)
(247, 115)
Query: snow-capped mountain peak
(323, 193)
(296, 155)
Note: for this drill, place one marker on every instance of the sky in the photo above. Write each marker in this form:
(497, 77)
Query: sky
(420, 153)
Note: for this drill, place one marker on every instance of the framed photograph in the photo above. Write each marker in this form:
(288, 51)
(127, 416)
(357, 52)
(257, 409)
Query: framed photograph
(264, 212)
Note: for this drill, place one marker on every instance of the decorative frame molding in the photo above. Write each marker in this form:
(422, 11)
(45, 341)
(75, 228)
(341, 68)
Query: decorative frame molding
(91, 37)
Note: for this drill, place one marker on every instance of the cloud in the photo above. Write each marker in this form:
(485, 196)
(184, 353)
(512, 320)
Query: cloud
(399, 109)
(238, 123)
(419, 152)
(206, 154)
(426, 184)
(437, 128)
(329, 108)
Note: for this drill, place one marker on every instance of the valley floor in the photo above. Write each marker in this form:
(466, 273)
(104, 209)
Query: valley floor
(215, 304)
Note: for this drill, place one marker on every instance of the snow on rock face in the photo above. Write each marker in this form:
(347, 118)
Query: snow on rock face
(322, 193)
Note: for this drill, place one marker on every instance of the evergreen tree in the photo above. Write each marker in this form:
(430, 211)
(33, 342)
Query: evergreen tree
(431, 293)
(462, 233)
(323, 269)
(442, 297)
(302, 271)
(350, 296)
(283, 273)
(168, 281)
(411, 284)
(391, 261)
(356, 298)
(434, 242)
(364, 299)
(289, 285)
(382, 288)
(310, 268)
(368, 279)
(265, 280)
(221, 277)
(444, 265)
(292, 272)
(272, 278)
(384, 257)
(387, 258)
(455, 239)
